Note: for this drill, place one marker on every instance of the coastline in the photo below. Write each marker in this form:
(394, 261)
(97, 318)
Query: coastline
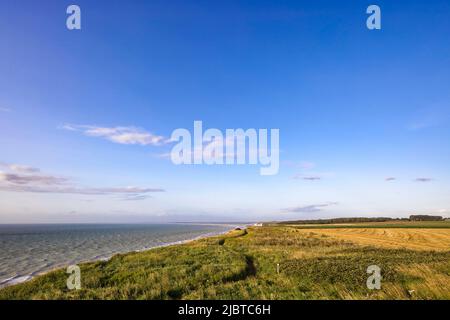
(25, 278)
(257, 263)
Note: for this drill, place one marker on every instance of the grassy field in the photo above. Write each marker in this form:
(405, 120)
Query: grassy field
(314, 263)
(414, 239)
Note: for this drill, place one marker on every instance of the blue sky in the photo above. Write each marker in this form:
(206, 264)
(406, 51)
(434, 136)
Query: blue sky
(354, 108)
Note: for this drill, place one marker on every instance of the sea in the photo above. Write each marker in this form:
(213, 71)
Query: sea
(29, 250)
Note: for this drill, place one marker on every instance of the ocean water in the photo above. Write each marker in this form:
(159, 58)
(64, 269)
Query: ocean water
(28, 250)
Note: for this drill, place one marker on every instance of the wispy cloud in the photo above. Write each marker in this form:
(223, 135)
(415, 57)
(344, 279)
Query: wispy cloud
(218, 149)
(307, 173)
(303, 165)
(390, 179)
(310, 208)
(77, 190)
(2, 109)
(424, 124)
(307, 165)
(19, 168)
(23, 169)
(33, 182)
(310, 178)
(21, 179)
(423, 179)
(444, 212)
(121, 135)
(428, 117)
(136, 197)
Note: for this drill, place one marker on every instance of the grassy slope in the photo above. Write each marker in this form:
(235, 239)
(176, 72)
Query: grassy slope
(242, 265)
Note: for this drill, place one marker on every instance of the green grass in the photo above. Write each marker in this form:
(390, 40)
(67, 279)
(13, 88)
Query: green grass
(243, 264)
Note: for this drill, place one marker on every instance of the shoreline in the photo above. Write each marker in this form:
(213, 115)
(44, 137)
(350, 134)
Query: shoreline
(269, 262)
(16, 280)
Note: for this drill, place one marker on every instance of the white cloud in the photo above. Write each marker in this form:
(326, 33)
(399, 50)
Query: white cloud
(423, 179)
(21, 179)
(310, 208)
(207, 151)
(307, 172)
(129, 191)
(136, 197)
(121, 135)
(307, 177)
(19, 168)
(31, 180)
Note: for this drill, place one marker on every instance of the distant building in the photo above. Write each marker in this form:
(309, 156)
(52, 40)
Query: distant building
(425, 218)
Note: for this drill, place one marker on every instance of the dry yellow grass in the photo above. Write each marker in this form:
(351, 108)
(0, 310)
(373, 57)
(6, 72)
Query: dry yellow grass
(414, 239)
